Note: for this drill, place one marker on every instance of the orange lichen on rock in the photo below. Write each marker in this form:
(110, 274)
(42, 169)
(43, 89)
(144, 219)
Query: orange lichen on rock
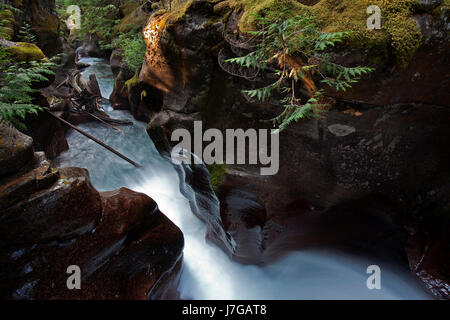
(156, 70)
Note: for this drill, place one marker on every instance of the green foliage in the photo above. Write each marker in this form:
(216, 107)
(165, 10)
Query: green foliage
(292, 49)
(4, 6)
(133, 47)
(7, 21)
(102, 18)
(26, 33)
(16, 90)
(98, 17)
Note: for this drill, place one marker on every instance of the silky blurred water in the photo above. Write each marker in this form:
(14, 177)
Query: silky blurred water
(207, 272)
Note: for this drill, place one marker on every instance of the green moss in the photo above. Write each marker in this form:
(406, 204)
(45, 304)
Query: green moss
(260, 7)
(133, 82)
(6, 33)
(405, 38)
(27, 52)
(399, 35)
(178, 12)
(6, 14)
(218, 172)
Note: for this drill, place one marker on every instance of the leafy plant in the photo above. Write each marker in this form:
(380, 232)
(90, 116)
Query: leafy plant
(26, 33)
(16, 90)
(133, 47)
(98, 17)
(4, 6)
(292, 49)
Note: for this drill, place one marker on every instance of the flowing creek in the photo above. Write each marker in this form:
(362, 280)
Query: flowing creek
(207, 272)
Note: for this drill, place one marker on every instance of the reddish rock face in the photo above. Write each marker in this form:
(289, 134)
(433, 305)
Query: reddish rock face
(51, 219)
(119, 98)
(48, 134)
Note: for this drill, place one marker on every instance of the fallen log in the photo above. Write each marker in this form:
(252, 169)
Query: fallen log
(102, 121)
(95, 140)
(115, 121)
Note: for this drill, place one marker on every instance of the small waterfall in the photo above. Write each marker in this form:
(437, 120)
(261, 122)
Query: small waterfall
(208, 273)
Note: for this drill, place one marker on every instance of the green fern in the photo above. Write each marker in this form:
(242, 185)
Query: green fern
(16, 90)
(133, 46)
(4, 6)
(293, 49)
(26, 33)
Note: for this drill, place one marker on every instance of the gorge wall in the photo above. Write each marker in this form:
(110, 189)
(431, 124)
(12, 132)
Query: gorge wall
(372, 177)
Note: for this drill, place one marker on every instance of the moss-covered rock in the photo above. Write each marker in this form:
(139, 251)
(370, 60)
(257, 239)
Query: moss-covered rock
(25, 51)
(132, 82)
(399, 33)
(217, 172)
(178, 12)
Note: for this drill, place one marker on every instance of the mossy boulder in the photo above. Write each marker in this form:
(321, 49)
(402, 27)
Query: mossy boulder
(399, 34)
(24, 51)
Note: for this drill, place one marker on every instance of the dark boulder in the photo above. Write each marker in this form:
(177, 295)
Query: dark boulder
(16, 149)
(54, 218)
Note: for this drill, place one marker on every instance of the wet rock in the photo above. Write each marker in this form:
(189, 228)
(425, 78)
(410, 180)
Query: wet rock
(48, 133)
(17, 187)
(243, 218)
(121, 72)
(348, 181)
(16, 149)
(42, 216)
(194, 185)
(44, 22)
(90, 48)
(53, 218)
(428, 254)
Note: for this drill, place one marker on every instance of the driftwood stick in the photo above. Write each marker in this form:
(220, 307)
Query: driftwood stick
(96, 140)
(104, 122)
(115, 121)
